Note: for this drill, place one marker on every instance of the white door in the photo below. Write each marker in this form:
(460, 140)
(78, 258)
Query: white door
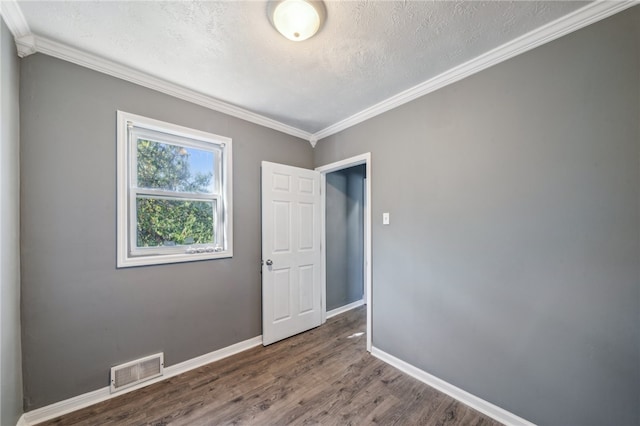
(291, 275)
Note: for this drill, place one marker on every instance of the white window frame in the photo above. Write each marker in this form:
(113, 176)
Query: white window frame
(128, 254)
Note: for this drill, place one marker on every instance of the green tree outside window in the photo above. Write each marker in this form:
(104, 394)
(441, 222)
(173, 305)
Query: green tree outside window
(164, 221)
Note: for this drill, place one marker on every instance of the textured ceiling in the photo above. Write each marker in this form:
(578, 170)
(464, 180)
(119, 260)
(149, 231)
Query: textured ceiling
(366, 52)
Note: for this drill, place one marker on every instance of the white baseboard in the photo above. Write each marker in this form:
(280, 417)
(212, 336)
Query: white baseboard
(90, 398)
(193, 363)
(479, 404)
(81, 401)
(345, 308)
(21, 421)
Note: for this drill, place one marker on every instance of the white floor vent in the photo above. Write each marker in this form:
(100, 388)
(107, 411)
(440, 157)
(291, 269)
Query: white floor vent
(138, 371)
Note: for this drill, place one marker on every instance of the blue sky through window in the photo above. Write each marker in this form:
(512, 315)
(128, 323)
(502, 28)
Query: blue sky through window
(202, 162)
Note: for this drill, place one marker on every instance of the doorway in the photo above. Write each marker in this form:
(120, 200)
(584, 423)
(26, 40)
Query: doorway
(346, 242)
(294, 247)
(344, 212)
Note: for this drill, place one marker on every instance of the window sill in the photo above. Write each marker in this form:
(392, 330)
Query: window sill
(132, 261)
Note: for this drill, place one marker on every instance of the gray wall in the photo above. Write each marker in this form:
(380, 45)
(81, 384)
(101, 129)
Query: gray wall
(355, 232)
(81, 315)
(344, 236)
(10, 353)
(336, 240)
(511, 265)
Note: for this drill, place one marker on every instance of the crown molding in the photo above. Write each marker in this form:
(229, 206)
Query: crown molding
(28, 43)
(589, 14)
(13, 17)
(32, 43)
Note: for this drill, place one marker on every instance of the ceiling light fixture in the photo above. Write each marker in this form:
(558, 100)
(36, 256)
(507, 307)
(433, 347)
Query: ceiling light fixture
(297, 20)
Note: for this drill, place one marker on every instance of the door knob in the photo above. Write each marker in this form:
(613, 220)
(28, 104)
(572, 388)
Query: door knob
(269, 262)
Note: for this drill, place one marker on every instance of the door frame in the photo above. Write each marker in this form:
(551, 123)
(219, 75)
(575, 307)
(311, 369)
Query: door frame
(334, 167)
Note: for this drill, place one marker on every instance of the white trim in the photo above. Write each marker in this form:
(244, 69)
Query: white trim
(127, 254)
(81, 401)
(205, 359)
(342, 309)
(580, 18)
(28, 43)
(323, 244)
(13, 17)
(368, 254)
(339, 165)
(365, 266)
(345, 164)
(22, 421)
(35, 43)
(501, 415)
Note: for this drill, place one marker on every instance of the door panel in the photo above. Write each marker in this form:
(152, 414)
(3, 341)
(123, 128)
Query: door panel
(307, 222)
(281, 294)
(306, 288)
(281, 226)
(291, 279)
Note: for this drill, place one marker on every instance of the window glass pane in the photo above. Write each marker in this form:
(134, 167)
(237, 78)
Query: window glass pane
(163, 222)
(175, 168)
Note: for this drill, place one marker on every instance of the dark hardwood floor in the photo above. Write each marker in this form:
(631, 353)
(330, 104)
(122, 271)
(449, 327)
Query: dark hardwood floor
(324, 376)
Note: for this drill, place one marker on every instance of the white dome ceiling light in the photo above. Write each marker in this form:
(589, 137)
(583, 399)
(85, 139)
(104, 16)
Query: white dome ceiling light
(297, 20)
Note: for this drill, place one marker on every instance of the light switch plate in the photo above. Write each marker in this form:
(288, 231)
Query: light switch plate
(385, 218)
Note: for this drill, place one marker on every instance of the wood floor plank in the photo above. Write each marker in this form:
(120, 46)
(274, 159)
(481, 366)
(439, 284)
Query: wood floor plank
(322, 377)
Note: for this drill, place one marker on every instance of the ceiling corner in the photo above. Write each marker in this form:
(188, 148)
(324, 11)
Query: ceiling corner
(26, 45)
(580, 18)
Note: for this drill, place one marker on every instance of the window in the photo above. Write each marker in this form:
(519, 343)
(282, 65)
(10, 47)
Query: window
(174, 193)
